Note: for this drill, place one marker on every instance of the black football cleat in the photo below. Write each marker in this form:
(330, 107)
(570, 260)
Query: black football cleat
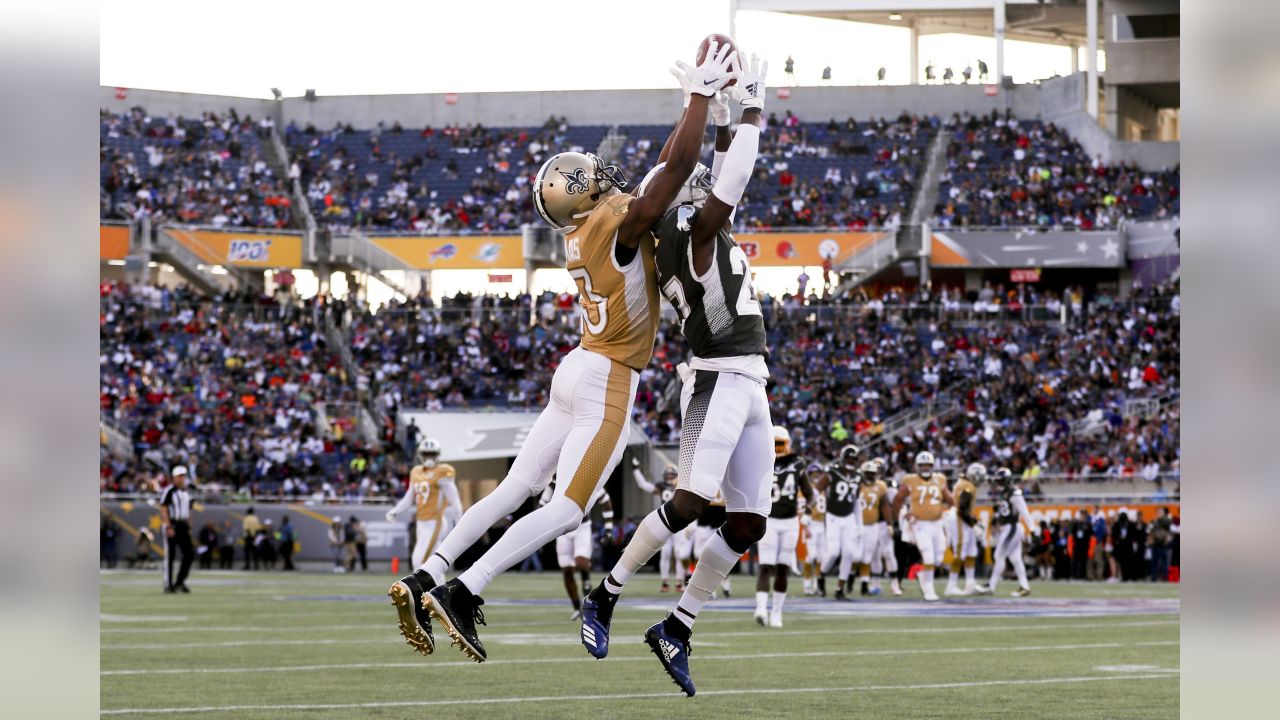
(182, 588)
(840, 596)
(672, 652)
(458, 611)
(415, 622)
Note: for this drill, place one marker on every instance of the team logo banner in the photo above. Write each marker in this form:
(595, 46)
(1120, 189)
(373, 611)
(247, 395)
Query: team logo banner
(455, 253)
(816, 248)
(1027, 249)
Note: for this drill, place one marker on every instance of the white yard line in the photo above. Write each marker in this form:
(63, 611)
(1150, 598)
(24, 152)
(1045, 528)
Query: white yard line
(755, 633)
(636, 696)
(426, 665)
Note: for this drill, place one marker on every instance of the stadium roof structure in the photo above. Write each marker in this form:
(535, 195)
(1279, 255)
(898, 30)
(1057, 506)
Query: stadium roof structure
(1059, 23)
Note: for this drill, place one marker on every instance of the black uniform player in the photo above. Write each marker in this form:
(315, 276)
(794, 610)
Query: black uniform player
(777, 548)
(1009, 515)
(843, 520)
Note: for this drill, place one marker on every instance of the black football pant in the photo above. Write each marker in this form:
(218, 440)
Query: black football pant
(179, 544)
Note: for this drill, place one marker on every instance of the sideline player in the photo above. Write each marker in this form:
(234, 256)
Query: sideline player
(815, 532)
(927, 491)
(583, 430)
(433, 490)
(782, 529)
(964, 539)
(573, 549)
(844, 519)
(1010, 516)
(725, 438)
(679, 548)
(873, 498)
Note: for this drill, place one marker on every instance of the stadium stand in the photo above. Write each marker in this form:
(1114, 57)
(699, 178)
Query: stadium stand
(210, 170)
(1006, 171)
(234, 383)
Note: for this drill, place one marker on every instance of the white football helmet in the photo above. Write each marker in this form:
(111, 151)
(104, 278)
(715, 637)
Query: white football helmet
(976, 473)
(869, 471)
(428, 451)
(573, 183)
(924, 459)
(695, 190)
(781, 441)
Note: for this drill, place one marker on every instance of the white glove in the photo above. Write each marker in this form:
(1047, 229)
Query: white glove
(719, 107)
(391, 516)
(748, 92)
(717, 68)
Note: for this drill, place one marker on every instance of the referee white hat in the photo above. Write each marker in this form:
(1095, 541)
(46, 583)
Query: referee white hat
(179, 470)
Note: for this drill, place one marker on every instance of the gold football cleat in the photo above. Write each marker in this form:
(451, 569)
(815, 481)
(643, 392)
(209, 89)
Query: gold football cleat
(413, 633)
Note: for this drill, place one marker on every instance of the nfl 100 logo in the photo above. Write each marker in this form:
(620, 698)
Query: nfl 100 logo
(249, 251)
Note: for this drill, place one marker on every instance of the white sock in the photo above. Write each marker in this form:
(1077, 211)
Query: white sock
(713, 566)
(779, 598)
(968, 576)
(926, 582)
(762, 602)
(476, 521)
(1019, 569)
(952, 577)
(649, 539)
(664, 562)
(522, 539)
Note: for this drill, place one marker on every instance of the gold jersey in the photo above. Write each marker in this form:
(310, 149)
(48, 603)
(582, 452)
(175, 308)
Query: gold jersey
(619, 304)
(871, 495)
(926, 495)
(819, 513)
(425, 482)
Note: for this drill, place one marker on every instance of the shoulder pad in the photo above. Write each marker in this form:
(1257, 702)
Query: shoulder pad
(446, 469)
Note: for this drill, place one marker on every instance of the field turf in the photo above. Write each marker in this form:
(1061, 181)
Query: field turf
(276, 646)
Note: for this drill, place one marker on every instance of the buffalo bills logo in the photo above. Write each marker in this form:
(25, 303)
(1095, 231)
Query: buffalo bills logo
(576, 181)
(444, 252)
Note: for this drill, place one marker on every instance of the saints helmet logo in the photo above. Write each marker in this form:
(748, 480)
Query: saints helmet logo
(576, 182)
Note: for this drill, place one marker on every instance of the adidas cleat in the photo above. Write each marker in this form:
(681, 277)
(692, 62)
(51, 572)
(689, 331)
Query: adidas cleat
(673, 653)
(597, 613)
(458, 611)
(415, 621)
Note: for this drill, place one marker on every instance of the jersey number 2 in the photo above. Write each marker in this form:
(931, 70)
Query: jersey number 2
(747, 302)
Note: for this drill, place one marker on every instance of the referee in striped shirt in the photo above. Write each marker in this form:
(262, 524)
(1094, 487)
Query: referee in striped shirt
(175, 513)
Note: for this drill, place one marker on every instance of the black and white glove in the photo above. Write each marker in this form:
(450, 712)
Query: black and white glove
(748, 92)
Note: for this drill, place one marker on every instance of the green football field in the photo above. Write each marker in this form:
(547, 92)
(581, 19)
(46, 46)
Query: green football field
(276, 645)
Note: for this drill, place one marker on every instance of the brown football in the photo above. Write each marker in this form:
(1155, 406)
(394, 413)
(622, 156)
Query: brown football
(719, 40)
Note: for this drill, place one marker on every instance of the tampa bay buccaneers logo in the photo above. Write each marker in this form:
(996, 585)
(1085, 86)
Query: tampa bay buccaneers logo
(576, 181)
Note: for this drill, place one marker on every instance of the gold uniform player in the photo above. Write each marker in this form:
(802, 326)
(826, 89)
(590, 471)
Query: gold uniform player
(815, 533)
(433, 490)
(581, 434)
(877, 540)
(929, 499)
(964, 537)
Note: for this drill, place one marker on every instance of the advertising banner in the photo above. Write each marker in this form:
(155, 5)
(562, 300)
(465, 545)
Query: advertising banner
(113, 242)
(455, 253)
(243, 249)
(783, 249)
(480, 435)
(1027, 249)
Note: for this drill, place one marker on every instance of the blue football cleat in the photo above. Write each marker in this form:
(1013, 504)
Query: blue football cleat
(673, 652)
(874, 591)
(597, 614)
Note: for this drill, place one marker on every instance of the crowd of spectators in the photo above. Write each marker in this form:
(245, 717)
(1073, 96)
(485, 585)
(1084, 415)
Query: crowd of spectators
(231, 385)
(232, 388)
(210, 170)
(1006, 171)
(1113, 546)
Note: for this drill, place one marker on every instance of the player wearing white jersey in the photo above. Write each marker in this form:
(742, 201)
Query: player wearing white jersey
(677, 551)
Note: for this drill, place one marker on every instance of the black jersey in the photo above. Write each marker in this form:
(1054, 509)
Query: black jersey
(719, 313)
(1004, 510)
(666, 491)
(786, 485)
(842, 491)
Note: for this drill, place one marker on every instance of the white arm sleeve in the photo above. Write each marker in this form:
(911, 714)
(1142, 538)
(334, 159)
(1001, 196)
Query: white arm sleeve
(717, 162)
(453, 503)
(739, 163)
(644, 484)
(405, 503)
(1023, 513)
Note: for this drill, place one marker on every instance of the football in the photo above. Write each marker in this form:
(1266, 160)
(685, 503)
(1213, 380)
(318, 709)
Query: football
(719, 40)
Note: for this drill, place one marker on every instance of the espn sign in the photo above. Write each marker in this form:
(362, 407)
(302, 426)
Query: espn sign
(255, 251)
(1024, 275)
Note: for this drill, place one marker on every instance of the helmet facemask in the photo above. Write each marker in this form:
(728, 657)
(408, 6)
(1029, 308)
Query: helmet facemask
(694, 191)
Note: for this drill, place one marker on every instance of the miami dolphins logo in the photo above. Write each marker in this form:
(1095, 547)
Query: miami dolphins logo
(576, 182)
